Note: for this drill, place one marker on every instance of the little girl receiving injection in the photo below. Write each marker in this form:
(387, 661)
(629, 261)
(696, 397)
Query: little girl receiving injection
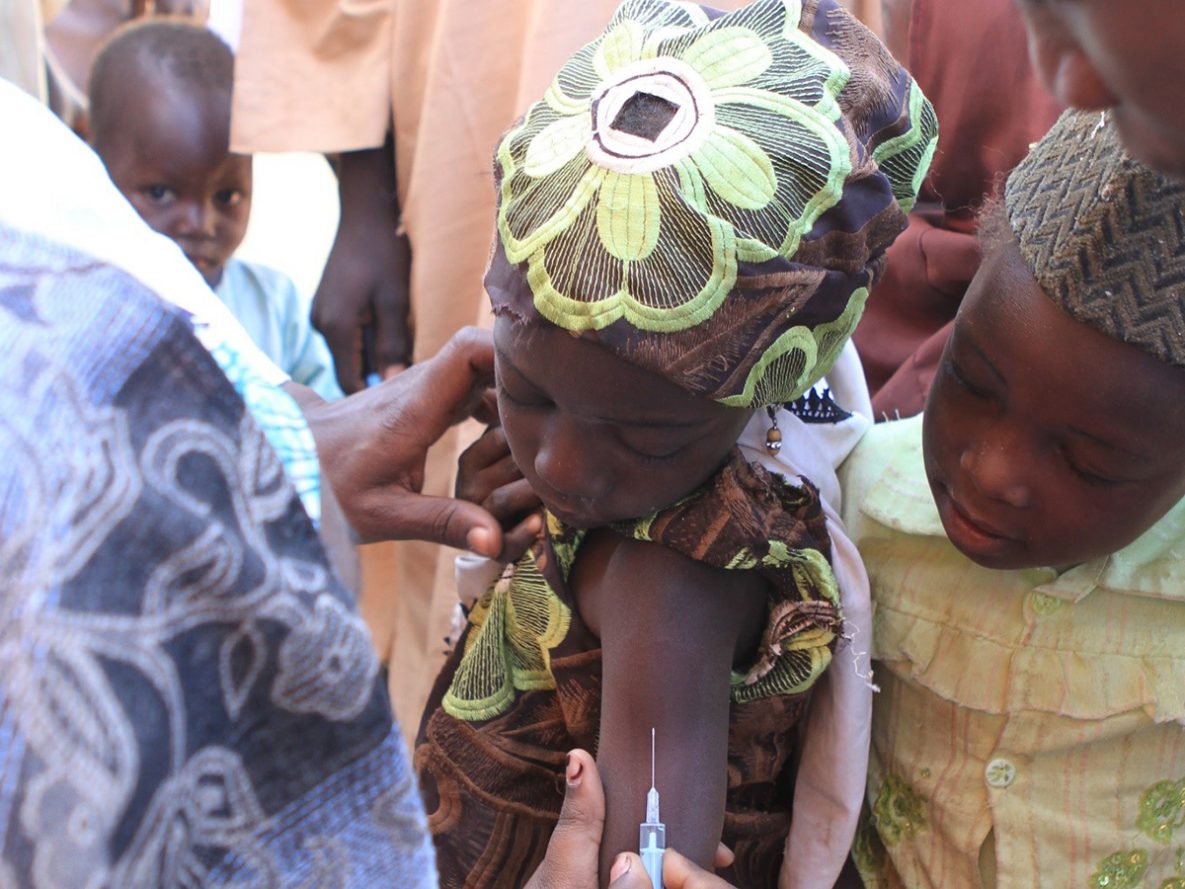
(688, 226)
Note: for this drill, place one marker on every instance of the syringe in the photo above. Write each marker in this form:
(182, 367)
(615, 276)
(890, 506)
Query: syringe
(652, 834)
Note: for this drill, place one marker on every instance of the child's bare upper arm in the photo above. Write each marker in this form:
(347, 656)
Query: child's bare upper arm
(670, 630)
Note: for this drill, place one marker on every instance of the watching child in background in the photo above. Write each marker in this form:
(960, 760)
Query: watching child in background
(688, 226)
(1025, 541)
(160, 120)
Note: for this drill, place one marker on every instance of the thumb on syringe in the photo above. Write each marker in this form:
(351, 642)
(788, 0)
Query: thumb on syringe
(677, 872)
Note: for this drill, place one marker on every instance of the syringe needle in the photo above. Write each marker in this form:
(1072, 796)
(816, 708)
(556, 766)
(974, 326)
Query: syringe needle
(652, 838)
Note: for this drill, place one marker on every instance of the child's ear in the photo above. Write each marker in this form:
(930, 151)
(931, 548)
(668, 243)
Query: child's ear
(1063, 65)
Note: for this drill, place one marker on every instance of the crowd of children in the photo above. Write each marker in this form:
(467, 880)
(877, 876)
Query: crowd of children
(939, 651)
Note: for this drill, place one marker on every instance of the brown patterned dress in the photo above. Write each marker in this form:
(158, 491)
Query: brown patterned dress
(524, 684)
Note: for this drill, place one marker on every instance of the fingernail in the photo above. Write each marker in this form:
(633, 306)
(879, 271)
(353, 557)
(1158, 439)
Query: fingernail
(535, 523)
(573, 771)
(479, 541)
(621, 867)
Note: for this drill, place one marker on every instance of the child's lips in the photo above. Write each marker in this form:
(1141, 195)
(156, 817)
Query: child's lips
(568, 510)
(574, 517)
(970, 532)
(202, 261)
(979, 524)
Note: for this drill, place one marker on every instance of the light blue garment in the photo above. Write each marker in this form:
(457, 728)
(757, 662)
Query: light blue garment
(280, 419)
(276, 315)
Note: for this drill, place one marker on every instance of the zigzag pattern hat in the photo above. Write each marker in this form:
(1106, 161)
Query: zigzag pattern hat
(710, 196)
(1103, 234)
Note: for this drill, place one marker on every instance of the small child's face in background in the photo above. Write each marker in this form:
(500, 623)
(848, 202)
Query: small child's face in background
(170, 160)
(1047, 443)
(601, 440)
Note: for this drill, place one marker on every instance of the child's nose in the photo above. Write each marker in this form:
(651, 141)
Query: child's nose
(567, 461)
(195, 218)
(996, 468)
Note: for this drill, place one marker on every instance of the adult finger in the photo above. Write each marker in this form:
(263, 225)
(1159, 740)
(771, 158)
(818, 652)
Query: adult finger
(345, 346)
(677, 872)
(512, 499)
(390, 303)
(446, 388)
(680, 873)
(487, 411)
(575, 844)
(396, 513)
(724, 856)
(628, 872)
(518, 539)
(487, 451)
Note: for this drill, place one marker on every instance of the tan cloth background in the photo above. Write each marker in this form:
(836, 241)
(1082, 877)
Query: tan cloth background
(326, 76)
(21, 44)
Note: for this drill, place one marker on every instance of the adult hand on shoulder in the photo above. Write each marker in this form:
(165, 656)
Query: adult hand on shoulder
(363, 299)
(575, 845)
(372, 446)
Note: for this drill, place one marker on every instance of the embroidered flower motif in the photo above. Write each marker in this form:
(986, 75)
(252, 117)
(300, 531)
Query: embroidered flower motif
(1162, 810)
(1044, 604)
(899, 811)
(514, 627)
(1173, 883)
(1123, 870)
(669, 133)
(868, 852)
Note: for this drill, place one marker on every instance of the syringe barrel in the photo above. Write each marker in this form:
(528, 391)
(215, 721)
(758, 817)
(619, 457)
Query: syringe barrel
(652, 836)
(652, 862)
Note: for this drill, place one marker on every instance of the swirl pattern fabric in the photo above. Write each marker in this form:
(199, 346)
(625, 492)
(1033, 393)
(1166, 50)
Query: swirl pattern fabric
(187, 697)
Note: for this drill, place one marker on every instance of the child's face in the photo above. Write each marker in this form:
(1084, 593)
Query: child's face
(1047, 443)
(1123, 55)
(601, 440)
(170, 160)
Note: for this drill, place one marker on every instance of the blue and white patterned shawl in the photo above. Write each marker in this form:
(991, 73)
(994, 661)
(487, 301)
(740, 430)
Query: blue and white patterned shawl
(187, 697)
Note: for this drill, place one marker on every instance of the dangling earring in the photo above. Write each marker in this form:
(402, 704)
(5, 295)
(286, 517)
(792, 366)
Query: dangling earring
(773, 437)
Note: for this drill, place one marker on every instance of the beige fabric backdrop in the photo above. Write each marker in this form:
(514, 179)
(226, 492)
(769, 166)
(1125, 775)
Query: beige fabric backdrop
(325, 76)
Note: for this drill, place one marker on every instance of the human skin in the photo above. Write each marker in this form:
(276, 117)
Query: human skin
(362, 301)
(1127, 58)
(372, 448)
(167, 153)
(1047, 442)
(572, 851)
(600, 441)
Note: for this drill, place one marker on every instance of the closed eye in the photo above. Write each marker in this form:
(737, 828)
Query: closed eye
(525, 402)
(1088, 475)
(647, 457)
(963, 382)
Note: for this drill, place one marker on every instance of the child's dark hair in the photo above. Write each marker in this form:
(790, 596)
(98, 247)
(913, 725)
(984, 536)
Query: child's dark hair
(186, 52)
(992, 226)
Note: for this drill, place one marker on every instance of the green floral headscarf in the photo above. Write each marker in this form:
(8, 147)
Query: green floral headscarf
(710, 196)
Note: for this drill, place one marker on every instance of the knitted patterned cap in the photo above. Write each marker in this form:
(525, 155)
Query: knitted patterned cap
(710, 196)
(1103, 234)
